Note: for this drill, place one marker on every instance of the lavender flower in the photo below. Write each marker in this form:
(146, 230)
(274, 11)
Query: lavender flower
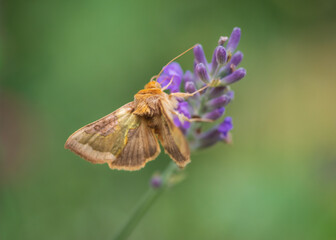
(210, 104)
(174, 71)
(183, 108)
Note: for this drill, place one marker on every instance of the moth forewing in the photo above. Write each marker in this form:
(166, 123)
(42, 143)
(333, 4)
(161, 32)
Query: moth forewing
(102, 140)
(172, 138)
(142, 146)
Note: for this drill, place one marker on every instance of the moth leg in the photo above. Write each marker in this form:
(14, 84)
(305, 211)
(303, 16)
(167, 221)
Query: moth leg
(170, 82)
(200, 120)
(187, 95)
(184, 118)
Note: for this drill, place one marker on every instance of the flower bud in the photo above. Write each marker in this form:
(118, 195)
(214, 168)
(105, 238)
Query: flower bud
(199, 55)
(214, 63)
(218, 102)
(215, 114)
(234, 77)
(217, 91)
(236, 58)
(234, 39)
(202, 72)
(208, 138)
(190, 87)
(221, 55)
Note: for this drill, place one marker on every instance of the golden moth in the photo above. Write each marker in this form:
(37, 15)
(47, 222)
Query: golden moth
(128, 138)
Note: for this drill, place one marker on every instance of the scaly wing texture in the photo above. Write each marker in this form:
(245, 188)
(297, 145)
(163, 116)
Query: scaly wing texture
(121, 139)
(173, 140)
(142, 146)
(103, 140)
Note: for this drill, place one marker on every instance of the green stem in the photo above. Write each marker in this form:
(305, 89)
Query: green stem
(145, 203)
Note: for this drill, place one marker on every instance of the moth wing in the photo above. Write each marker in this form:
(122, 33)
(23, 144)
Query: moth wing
(103, 140)
(142, 146)
(173, 140)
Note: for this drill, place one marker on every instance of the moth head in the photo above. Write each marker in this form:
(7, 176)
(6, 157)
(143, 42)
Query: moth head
(153, 84)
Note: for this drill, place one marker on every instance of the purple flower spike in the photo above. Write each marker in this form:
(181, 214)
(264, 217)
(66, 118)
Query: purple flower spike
(199, 55)
(234, 39)
(215, 114)
(234, 77)
(202, 72)
(221, 101)
(221, 55)
(210, 103)
(225, 127)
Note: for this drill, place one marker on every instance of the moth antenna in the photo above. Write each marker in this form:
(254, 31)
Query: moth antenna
(170, 82)
(181, 54)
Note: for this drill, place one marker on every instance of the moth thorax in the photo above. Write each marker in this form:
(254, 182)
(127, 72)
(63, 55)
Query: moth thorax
(153, 84)
(147, 105)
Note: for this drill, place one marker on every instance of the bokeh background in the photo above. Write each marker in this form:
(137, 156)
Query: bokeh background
(64, 64)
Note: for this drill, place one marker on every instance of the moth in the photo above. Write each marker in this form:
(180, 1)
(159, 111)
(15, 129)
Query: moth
(128, 138)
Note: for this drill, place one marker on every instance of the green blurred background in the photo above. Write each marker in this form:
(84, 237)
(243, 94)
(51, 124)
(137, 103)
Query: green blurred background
(64, 64)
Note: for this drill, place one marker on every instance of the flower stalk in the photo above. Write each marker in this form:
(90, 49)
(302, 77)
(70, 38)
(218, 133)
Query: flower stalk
(147, 201)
